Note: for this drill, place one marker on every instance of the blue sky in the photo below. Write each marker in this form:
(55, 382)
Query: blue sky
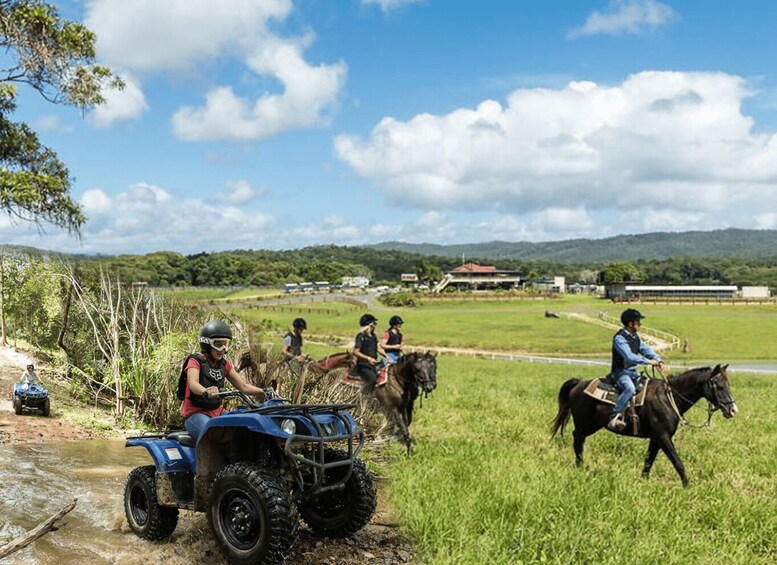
(278, 124)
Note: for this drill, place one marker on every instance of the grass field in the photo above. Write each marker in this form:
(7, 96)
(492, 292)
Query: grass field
(488, 485)
(717, 332)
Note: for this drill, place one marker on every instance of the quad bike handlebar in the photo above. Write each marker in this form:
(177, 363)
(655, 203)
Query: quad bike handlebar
(269, 394)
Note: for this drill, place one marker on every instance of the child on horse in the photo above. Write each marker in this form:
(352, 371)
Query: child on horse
(391, 340)
(366, 350)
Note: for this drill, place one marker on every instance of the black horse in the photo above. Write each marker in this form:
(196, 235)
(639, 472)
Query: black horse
(412, 375)
(659, 416)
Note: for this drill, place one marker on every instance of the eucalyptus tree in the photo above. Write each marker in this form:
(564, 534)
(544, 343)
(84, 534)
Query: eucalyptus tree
(56, 58)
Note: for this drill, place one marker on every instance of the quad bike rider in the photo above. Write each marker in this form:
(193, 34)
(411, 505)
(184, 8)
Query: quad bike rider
(30, 393)
(255, 471)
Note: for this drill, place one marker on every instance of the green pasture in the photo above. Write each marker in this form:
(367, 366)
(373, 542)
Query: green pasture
(487, 484)
(194, 293)
(721, 332)
(248, 293)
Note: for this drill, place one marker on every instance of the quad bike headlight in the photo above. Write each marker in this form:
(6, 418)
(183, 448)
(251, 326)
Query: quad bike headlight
(288, 426)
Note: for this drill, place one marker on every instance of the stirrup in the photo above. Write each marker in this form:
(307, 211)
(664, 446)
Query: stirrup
(616, 423)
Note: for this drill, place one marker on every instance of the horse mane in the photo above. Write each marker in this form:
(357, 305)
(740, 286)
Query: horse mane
(691, 376)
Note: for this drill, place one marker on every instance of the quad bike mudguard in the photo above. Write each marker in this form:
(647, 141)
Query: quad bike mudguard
(168, 454)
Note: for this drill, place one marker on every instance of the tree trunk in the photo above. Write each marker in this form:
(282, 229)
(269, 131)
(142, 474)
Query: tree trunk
(2, 303)
(39, 531)
(63, 329)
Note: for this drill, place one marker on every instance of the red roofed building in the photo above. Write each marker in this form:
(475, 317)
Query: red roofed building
(474, 268)
(472, 276)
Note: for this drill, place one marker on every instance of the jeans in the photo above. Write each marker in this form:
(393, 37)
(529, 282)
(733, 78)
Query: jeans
(392, 356)
(195, 423)
(625, 383)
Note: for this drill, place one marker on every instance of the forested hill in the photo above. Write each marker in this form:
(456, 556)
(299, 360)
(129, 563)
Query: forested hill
(741, 257)
(744, 244)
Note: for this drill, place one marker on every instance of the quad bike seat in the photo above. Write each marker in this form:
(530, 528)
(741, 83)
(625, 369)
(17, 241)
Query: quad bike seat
(182, 437)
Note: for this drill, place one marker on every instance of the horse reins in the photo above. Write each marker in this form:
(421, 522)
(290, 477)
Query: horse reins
(709, 385)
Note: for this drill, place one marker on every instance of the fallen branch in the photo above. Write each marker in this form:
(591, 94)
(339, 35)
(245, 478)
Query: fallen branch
(39, 531)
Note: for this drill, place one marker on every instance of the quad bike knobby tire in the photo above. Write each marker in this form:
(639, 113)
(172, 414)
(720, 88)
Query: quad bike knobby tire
(146, 518)
(250, 513)
(338, 513)
(17, 405)
(46, 408)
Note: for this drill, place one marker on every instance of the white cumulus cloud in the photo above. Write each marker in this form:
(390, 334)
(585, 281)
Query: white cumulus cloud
(672, 140)
(390, 5)
(240, 192)
(195, 37)
(147, 217)
(627, 17)
(120, 105)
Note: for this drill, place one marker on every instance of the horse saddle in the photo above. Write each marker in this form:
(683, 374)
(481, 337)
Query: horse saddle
(356, 380)
(605, 392)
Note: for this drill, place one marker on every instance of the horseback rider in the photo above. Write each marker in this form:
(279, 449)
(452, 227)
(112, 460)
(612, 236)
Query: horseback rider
(292, 345)
(205, 375)
(629, 351)
(366, 349)
(391, 340)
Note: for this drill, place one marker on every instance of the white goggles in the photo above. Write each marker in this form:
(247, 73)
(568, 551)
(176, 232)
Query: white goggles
(218, 343)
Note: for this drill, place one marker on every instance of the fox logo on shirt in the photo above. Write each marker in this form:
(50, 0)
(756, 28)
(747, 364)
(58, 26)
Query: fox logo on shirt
(215, 374)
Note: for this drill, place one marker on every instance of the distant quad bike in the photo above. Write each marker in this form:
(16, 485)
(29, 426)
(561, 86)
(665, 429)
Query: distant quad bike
(33, 396)
(255, 471)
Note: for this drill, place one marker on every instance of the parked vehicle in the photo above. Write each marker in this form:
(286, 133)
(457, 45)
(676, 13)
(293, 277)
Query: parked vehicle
(255, 471)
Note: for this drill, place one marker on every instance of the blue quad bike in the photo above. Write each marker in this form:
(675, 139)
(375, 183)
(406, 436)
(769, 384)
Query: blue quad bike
(255, 471)
(33, 396)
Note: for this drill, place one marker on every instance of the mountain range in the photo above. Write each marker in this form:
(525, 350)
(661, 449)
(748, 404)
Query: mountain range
(741, 243)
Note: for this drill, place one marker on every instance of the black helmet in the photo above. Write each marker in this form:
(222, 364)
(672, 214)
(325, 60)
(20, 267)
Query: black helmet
(217, 331)
(300, 323)
(630, 315)
(367, 319)
(395, 321)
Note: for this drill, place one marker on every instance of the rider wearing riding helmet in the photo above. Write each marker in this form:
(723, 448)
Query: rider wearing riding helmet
(629, 351)
(292, 342)
(205, 375)
(391, 340)
(366, 349)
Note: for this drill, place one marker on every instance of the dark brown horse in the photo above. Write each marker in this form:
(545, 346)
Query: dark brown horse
(331, 362)
(659, 416)
(319, 368)
(412, 375)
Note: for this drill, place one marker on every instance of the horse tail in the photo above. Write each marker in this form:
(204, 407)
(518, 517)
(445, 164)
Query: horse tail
(560, 422)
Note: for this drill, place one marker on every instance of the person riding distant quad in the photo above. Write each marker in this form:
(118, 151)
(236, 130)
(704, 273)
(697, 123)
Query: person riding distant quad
(292, 345)
(366, 349)
(206, 375)
(391, 340)
(629, 351)
(29, 376)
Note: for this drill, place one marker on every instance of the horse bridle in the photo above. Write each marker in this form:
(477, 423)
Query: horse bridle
(711, 388)
(419, 381)
(714, 388)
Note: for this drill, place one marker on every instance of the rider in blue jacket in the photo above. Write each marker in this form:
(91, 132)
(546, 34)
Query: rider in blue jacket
(629, 351)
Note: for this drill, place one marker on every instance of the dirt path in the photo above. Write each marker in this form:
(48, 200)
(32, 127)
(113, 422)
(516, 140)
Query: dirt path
(380, 542)
(30, 427)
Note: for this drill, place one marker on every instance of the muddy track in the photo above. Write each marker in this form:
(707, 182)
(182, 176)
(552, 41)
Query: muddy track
(31, 426)
(380, 542)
